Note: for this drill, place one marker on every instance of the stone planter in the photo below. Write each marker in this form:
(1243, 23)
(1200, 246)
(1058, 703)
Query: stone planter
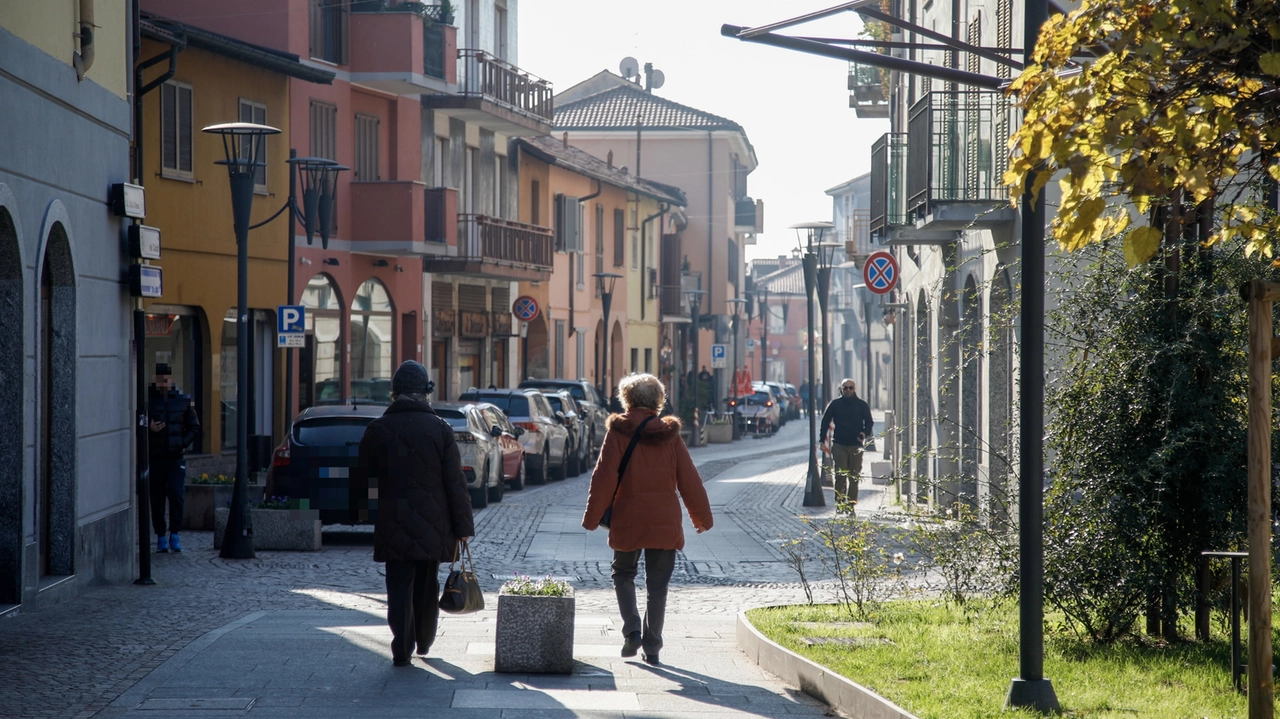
(719, 433)
(534, 634)
(295, 530)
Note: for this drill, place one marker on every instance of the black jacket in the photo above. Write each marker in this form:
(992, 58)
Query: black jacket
(181, 424)
(410, 457)
(852, 417)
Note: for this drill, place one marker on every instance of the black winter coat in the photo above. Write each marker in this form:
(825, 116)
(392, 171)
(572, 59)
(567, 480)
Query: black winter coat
(181, 423)
(409, 456)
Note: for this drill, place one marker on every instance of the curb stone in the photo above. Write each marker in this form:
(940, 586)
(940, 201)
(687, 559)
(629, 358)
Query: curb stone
(813, 679)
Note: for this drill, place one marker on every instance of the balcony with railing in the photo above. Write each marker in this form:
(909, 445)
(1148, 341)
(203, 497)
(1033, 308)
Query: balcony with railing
(888, 186)
(672, 304)
(484, 246)
(856, 234)
(868, 94)
(956, 160)
(497, 95)
(404, 48)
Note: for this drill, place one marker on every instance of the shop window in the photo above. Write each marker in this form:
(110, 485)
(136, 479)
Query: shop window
(371, 342)
(319, 362)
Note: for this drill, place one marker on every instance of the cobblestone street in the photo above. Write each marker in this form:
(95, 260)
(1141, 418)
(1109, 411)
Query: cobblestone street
(108, 653)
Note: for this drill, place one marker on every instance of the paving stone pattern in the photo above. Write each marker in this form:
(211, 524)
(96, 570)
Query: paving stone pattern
(146, 645)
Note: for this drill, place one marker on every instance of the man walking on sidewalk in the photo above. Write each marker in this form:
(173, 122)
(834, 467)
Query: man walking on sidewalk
(853, 424)
(174, 425)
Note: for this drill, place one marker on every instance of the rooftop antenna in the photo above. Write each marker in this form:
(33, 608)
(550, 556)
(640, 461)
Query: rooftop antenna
(629, 68)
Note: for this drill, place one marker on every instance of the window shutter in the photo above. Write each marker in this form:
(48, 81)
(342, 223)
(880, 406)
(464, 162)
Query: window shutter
(472, 298)
(442, 295)
(568, 224)
(619, 237)
(169, 126)
(368, 129)
(184, 129)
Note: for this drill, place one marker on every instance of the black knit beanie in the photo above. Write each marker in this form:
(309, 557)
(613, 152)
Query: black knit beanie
(411, 378)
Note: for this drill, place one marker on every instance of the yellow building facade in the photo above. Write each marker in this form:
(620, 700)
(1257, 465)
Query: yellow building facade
(192, 326)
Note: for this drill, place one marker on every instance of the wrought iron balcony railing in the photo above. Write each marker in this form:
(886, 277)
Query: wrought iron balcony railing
(867, 92)
(489, 238)
(888, 184)
(486, 76)
(956, 149)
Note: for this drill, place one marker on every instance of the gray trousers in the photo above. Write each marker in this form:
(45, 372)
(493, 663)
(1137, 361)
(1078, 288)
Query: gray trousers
(658, 566)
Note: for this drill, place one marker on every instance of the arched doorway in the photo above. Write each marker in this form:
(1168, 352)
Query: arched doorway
(55, 504)
(970, 390)
(1000, 418)
(320, 360)
(11, 410)
(372, 317)
(923, 420)
(536, 349)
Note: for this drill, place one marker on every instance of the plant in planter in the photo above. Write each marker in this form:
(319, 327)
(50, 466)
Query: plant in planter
(535, 627)
(278, 523)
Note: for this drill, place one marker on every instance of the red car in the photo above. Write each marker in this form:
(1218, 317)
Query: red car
(508, 439)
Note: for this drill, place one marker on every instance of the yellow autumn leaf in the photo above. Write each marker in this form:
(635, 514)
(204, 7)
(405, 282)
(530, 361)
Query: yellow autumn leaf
(1141, 244)
(1269, 63)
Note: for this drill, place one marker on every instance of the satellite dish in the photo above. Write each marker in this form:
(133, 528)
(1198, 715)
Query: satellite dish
(629, 68)
(656, 80)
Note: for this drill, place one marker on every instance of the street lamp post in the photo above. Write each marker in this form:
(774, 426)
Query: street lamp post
(826, 252)
(811, 235)
(694, 298)
(606, 281)
(762, 296)
(244, 149)
(735, 309)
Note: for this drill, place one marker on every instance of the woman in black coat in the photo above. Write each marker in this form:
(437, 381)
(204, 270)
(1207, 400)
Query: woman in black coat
(413, 478)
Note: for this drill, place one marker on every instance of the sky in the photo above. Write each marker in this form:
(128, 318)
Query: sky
(794, 107)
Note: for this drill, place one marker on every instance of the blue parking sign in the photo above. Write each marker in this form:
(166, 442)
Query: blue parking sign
(291, 319)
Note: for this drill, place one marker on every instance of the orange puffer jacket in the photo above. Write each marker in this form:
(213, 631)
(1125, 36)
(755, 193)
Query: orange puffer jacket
(646, 513)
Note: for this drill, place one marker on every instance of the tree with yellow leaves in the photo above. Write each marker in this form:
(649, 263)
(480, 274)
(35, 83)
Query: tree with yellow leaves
(1177, 106)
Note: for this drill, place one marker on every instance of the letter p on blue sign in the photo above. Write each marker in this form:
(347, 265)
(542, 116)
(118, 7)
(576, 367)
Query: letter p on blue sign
(291, 319)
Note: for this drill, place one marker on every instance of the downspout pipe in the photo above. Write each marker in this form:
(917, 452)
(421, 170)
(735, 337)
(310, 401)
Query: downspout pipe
(572, 288)
(83, 60)
(644, 228)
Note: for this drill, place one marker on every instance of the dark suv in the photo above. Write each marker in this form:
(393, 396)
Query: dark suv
(597, 410)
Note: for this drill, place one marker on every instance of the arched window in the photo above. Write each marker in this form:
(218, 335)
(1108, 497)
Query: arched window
(319, 363)
(371, 321)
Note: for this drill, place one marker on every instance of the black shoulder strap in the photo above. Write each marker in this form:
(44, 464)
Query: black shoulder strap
(626, 457)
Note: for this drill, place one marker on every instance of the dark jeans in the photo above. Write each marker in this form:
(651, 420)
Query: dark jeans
(658, 566)
(413, 606)
(168, 478)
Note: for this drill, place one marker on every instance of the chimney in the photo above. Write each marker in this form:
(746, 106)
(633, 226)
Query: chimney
(609, 159)
(565, 138)
(623, 169)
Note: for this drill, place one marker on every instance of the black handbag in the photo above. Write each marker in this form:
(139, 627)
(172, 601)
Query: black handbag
(607, 518)
(461, 594)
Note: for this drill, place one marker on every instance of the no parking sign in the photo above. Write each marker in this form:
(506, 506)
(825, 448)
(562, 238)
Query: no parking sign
(880, 273)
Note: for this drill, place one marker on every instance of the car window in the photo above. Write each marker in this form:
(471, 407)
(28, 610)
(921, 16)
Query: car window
(494, 418)
(555, 402)
(455, 419)
(514, 405)
(330, 431)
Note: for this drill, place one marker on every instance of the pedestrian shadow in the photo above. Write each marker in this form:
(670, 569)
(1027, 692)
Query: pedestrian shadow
(700, 693)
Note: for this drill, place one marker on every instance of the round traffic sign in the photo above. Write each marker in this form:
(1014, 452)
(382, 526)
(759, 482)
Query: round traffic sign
(880, 272)
(525, 308)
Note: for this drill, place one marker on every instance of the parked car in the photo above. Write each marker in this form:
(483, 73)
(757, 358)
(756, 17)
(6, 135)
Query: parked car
(760, 411)
(545, 438)
(786, 410)
(596, 407)
(509, 439)
(794, 400)
(562, 401)
(481, 452)
(313, 464)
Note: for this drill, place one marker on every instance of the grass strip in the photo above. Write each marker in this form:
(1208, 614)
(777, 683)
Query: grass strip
(940, 662)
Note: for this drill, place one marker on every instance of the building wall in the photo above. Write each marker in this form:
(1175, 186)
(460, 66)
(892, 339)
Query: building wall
(281, 24)
(64, 144)
(50, 26)
(194, 216)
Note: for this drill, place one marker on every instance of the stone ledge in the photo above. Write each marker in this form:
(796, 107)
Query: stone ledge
(814, 679)
(296, 530)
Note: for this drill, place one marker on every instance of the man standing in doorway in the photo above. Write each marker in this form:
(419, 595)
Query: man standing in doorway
(853, 424)
(174, 424)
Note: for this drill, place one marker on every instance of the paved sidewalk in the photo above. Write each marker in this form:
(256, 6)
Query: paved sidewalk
(304, 634)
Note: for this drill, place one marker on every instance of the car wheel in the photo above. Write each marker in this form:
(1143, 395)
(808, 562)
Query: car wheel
(517, 484)
(558, 474)
(479, 498)
(575, 465)
(497, 491)
(539, 476)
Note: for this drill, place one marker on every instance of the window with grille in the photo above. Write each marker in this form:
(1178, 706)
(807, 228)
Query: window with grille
(329, 30)
(324, 130)
(367, 129)
(256, 113)
(619, 237)
(175, 130)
